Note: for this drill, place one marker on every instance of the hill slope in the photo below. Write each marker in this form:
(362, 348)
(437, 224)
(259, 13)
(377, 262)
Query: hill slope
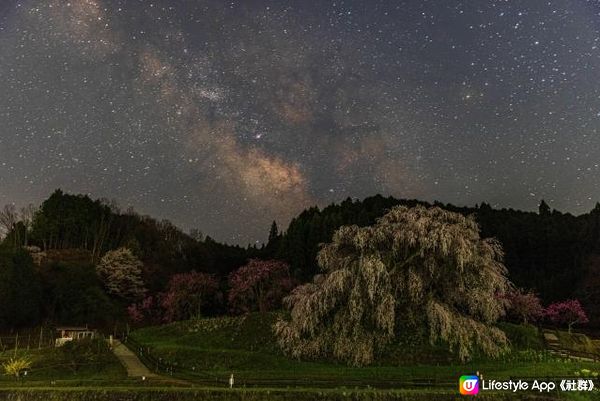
(212, 349)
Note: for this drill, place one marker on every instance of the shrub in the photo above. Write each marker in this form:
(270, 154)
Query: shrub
(16, 366)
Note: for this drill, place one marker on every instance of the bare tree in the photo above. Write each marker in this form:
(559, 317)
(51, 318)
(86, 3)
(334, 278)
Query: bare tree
(8, 218)
(100, 235)
(27, 215)
(196, 235)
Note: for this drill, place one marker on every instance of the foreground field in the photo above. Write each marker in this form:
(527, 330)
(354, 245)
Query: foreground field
(209, 350)
(73, 364)
(266, 394)
(194, 360)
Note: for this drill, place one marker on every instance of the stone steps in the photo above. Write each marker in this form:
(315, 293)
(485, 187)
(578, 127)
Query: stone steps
(554, 347)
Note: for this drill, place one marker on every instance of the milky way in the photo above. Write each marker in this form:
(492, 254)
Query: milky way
(223, 116)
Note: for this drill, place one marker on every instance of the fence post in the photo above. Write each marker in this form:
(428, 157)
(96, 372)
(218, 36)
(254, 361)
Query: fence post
(16, 344)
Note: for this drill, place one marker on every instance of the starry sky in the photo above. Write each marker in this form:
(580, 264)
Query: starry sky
(224, 115)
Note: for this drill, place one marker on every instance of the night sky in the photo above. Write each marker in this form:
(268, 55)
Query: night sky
(225, 115)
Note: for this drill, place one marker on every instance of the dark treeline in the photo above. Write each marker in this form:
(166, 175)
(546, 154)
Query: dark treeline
(553, 253)
(69, 234)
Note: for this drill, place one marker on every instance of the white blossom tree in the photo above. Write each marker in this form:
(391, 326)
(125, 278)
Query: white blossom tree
(121, 273)
(417, 272)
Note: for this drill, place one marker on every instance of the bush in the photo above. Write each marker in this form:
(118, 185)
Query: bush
(576, 342)
(16, 366)
(522, 336)
(81, 355)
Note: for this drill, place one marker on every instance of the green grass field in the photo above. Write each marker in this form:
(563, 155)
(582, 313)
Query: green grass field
(211, 349)
(262, 394)
(205, 352)
(76, 363)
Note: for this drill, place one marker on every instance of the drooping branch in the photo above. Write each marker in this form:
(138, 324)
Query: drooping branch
(427, 266)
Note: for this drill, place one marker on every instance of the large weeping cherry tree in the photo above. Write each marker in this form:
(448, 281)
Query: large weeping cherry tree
(417, 272)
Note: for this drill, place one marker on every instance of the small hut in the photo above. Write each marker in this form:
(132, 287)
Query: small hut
(73, 333)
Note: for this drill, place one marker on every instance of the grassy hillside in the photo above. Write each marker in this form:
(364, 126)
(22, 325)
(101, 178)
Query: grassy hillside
(75, 363)
(211, 349)
(577, 342)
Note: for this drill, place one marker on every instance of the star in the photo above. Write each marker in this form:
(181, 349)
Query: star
(256, 112)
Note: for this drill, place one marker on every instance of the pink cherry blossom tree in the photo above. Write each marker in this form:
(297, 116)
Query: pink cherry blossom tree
(149, 310)
(568, 312)
(525, 306)
(259, 285)
(187, 294)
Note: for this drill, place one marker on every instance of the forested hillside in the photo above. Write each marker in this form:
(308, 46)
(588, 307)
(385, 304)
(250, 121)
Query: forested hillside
(66, 237)
(49, 255)
(553, 253)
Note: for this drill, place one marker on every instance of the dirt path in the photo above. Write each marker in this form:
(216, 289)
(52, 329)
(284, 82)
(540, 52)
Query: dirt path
(135, 368)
